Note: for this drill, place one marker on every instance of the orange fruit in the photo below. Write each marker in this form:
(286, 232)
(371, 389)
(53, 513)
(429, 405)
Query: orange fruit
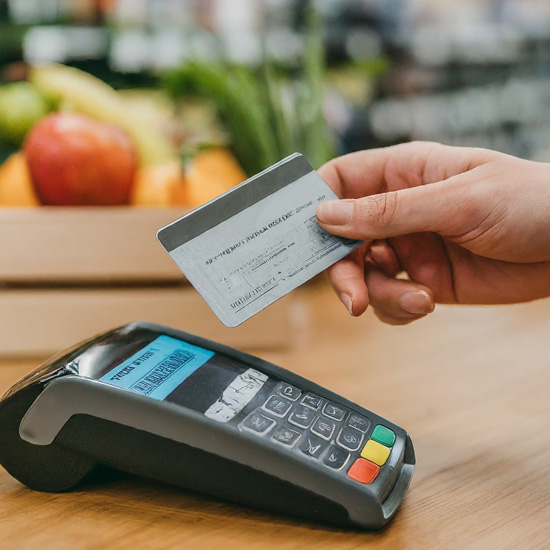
(15, 183)
(210, 173)
(159, 185)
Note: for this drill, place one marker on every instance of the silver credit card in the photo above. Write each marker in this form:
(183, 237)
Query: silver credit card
(252, 245)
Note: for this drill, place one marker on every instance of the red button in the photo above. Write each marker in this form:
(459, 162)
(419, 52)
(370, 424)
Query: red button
(363, 471)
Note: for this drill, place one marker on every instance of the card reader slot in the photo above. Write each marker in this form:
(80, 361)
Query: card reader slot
(395, 496)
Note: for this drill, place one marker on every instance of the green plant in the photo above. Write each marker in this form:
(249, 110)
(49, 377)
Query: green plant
(268, 113)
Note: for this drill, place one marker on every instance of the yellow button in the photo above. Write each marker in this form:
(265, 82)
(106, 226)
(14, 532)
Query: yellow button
(375, 452)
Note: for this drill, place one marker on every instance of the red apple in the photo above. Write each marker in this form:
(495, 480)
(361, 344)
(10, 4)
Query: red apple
(75, 160)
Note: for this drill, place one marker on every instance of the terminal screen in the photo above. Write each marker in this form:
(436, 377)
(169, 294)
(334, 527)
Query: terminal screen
(178, 372)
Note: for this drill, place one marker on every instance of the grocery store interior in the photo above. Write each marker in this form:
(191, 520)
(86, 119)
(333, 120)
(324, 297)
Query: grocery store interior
(117, 117)
(468, 73)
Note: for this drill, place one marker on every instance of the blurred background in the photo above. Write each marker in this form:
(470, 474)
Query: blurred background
(169, 103)
(475, 72)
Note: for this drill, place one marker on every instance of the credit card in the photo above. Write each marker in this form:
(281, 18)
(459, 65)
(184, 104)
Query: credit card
(252, 245)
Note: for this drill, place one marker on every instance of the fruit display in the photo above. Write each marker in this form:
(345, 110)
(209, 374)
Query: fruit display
(83, 93)
(82, 143)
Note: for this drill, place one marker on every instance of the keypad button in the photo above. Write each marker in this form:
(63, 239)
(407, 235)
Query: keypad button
(258, 423)
(333, 411)
(363, 471)
(375, 452)
(335, 458)
(288, 390)
(302, 416)
(286, 436)
(323, 427)
(312, 446)
(358, 422)
(277, 406)
(312, 401)
(383, 435)
(349, 438)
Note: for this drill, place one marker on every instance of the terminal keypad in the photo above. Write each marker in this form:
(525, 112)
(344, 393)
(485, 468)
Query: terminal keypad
(316, 428)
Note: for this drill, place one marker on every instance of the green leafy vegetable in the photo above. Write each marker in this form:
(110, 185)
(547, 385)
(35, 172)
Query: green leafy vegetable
(268, 115)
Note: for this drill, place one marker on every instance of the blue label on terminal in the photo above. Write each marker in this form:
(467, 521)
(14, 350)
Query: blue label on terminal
(158, 368)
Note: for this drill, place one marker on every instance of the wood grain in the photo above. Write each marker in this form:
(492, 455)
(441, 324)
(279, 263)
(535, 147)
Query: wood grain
(472, 387)
(85, 244)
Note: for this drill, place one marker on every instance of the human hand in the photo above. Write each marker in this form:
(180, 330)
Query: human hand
(464, 225)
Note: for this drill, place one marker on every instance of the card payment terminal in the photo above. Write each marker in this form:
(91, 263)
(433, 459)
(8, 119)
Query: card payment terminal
(164, 404)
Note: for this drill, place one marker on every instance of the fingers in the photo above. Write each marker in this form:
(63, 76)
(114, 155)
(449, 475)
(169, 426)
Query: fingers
(347, 279)
(456, 208)
(386, 194)
(381, 255)
(398, 167)
(366, 172)
(425, 208)
(424, 257)
(397, 301)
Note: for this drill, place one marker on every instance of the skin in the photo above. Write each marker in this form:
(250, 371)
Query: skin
(441, 224)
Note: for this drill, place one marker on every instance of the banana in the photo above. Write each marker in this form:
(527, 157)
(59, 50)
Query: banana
(83, 93)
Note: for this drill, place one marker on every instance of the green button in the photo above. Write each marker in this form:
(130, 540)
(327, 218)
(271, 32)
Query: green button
(383, 435)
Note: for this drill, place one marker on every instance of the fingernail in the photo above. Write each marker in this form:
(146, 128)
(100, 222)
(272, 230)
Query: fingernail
(346, 300)
(417, 302)
(337, 212)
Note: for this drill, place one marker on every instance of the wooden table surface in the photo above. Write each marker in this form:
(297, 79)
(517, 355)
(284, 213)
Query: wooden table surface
(472, 387)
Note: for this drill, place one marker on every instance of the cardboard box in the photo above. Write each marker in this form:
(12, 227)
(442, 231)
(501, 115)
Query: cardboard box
(69, 273)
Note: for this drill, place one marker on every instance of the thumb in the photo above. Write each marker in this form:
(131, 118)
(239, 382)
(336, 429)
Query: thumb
(428, 207)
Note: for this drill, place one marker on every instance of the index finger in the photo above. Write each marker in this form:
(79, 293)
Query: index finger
(400, 166)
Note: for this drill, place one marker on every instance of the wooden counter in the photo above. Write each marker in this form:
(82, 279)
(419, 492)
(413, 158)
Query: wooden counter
(472, 387)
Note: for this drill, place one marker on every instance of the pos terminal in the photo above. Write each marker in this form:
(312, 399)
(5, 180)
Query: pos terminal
(161, 403)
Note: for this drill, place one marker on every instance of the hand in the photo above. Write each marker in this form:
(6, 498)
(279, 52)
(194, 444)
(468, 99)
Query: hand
(442, 225)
